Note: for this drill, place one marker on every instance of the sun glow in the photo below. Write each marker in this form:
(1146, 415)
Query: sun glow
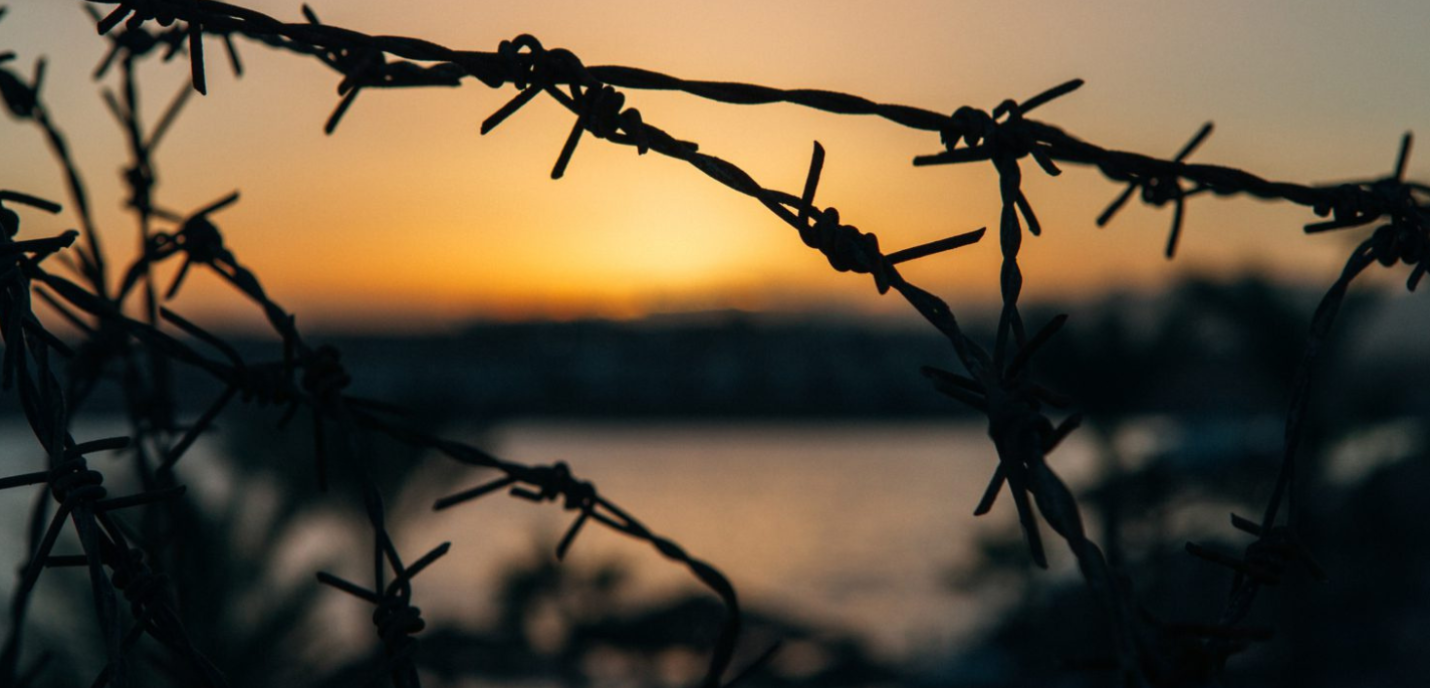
(407, 212)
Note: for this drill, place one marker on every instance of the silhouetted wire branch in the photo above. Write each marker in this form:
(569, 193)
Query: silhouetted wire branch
(74, 486)
(47, 408)
(997, 384)
(276, 383)
(1002, 137)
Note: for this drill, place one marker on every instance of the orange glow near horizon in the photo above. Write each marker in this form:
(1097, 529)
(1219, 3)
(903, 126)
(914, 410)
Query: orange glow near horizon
(407, 216)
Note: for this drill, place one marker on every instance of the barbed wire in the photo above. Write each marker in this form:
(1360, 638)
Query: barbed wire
(397, 620)
(76, 488)
(310, 376)
(278, 382)
(997, 383)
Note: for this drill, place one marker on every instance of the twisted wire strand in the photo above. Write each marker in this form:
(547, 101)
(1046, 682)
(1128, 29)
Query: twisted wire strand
(513, 66)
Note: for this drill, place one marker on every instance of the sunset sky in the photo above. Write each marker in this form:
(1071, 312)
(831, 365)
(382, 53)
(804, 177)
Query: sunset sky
(407, 216)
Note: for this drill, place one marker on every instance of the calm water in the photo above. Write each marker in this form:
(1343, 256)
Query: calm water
(851, 526)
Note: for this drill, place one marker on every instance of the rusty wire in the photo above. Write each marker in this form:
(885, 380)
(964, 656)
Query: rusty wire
(996, 382)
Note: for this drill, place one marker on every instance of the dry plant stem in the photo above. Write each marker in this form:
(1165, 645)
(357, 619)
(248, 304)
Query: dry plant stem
(93, 260)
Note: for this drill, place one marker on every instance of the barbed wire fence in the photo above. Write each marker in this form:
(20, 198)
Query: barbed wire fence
(996, 379)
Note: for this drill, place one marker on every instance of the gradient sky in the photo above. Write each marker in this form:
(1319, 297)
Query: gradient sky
(407, 216)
